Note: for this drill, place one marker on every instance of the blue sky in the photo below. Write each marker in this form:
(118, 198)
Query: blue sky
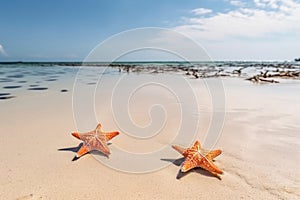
(228, 29)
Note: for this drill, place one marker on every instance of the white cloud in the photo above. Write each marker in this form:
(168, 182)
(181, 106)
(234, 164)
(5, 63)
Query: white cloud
(201, 11)
(237, 3)
(266, 22)
(282, 5)
(2, 51)
(260, 3)
(242, 22)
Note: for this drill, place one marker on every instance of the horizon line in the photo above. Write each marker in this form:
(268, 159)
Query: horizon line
(143, 61)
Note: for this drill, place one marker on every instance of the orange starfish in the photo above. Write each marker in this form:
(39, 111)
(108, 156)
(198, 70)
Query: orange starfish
(94, 140)
(196, 156)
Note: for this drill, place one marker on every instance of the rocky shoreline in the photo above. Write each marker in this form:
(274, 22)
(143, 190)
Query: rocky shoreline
(255, 72)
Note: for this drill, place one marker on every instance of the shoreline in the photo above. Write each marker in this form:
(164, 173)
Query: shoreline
(256, 72)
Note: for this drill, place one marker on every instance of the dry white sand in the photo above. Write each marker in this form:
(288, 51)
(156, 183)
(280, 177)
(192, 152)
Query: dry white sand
(260, 142)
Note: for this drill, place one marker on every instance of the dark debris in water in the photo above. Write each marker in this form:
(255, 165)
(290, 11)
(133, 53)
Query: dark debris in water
(52, 79)
(264, 71)
(64, 90)
(4, 94)
(12, 86)
(34, 85)
(15, 76)
(6, 97)
(38, 88)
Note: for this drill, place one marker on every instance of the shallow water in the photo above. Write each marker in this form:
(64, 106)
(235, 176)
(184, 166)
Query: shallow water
(19, 78)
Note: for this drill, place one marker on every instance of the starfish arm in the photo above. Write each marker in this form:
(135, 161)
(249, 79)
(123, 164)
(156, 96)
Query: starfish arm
(196, 146)
(212, 154)
(103, 149)
(98, 128)
(188, 165)
(111, 135)
(179, 149)
(75, 134)
(83, 150)
(100, 145)
(209, 166)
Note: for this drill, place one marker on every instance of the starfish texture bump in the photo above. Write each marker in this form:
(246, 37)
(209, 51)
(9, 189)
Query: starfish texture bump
(94, 140)
(196, 156)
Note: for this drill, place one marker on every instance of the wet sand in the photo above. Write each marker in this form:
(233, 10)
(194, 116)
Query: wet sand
(260, 141)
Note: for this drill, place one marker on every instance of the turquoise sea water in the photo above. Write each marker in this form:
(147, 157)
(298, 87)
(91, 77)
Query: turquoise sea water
(45, 76)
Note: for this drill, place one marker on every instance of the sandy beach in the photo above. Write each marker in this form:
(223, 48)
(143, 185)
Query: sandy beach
(260, 137)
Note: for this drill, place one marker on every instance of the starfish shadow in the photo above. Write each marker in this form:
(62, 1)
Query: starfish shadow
(76, 149)
(73, 149)
(180, 174)
(205, 173)
(176, 162)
